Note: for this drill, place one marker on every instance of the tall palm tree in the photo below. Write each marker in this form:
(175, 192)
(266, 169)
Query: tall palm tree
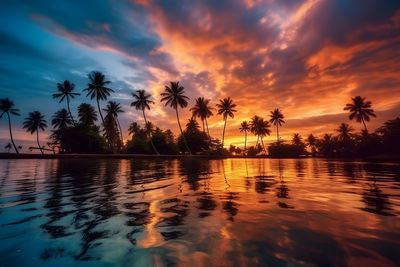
(344, 131)
(203, 111)
(7, 107)
(114, 108)
(97, 89)
(244, 127)
(65, 91)
(61, 119)
(33, 123)
(87, 114)
(142, 102)
(174, 96)
(360, 110)
(260, 127)
(226, 107)
(277, 119)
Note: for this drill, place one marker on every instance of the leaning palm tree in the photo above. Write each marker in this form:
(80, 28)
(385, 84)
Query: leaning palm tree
(344, 131)
(226, 107)
(87, 114)
(7, 107)
(61, 119)
(277, 119)
(261, 128)
(360, 110)
(65, 91)
(142, 102)
(174, 96)
(244, 127)
(203, 111)
(114, 108)
(97, 89)
(33, 123)
(253, 126)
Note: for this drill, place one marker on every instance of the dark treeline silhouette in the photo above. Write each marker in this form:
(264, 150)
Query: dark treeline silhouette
(82, 135)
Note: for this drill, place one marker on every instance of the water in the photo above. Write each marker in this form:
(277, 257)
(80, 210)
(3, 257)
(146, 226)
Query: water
(197, 212)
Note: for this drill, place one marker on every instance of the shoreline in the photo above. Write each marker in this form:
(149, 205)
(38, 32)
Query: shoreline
(376, 158)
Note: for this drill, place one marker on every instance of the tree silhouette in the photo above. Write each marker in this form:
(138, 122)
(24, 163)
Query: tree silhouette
(61, 119)
(174, 96)
(8, 147)
(33, 123)
(260, 127)
(360, 110)
(97, 89)
(344, 131)
(226, 107)
(244, 127)
(114, 108)
(142, 102)
(87, 114)
(134, 128)
(65, 91)
(312, 143)
(203, 111)
(277, 119)
(7, 107)
(297, 140)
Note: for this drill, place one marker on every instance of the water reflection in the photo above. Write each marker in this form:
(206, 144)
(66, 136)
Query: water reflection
(255, 211)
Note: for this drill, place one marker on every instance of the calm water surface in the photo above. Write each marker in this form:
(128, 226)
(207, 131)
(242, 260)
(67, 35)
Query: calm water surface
(233, 212)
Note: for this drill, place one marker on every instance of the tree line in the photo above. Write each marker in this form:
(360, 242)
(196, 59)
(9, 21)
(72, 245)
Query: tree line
(82, 135)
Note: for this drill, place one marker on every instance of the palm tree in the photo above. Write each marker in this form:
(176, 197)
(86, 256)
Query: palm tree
(8, 147)
(192, 125)
(297, 140)
(360, 110)
(277, 119)
(174, 96)
(344, 131)
(244, 127)
(312, 142)
(7, 107)
(226, 107)
(87, 114)
(65, 91)
(142, 102)
(61, 119)
(33, 123)
(260, 127)
(134, 128)
(203, 111)
(97, 89)
(114, 108)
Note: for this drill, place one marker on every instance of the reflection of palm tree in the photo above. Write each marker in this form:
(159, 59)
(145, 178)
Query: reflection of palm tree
(244, 127)
(7, 107)
(360, 110)
(277, 119)
(65, 91)
(142, 102)
(174, 96)
(61, 119)
(226, 107)
(97, 89)
(344, 131)
(203, 111)
(113, 108)
(87, 114)
(33, 123)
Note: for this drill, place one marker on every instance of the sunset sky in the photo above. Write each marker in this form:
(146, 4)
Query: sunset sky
(307, 58)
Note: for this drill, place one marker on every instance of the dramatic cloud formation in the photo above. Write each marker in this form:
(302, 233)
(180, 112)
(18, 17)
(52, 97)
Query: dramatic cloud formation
(307, 58)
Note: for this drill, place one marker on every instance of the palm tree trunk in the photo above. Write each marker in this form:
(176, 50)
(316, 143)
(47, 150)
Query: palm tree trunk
(69, 111)
(204, 130)
(120, 130)
(11, 136)
(262, 142)
(180, 128)
(208, 132)
(98, 107)
(245, 141)
(365, 126)
(277, 134)
(258, 138)
(37, 139)
(149, 133)
(223, 133)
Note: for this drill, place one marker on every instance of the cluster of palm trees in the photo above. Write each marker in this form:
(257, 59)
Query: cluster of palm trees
(173, 96)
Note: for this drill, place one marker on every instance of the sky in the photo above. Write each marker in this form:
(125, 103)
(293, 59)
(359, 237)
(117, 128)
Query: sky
(305, 57)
